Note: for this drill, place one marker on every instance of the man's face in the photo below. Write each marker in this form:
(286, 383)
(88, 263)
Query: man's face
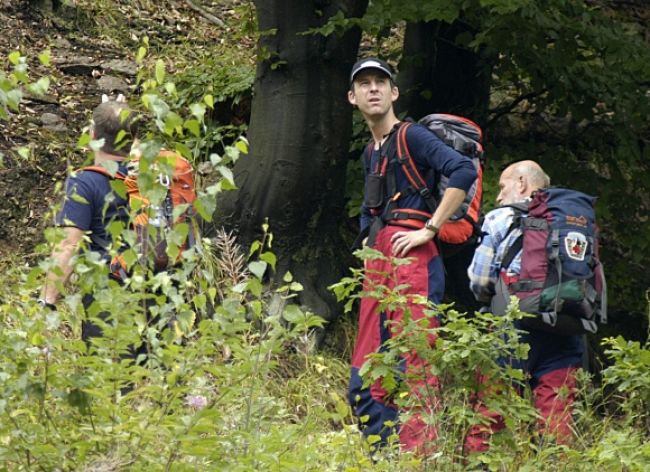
(510, 188)
(373, 92)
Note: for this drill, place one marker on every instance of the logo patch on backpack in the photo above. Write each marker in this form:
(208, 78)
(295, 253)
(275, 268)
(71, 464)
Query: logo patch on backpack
(577, 221)
(576, 245)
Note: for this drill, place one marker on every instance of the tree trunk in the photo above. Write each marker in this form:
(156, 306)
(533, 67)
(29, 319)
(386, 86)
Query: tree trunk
(299, 135)
(437, 75)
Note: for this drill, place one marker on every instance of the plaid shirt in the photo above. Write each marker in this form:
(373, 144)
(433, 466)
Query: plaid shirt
(486, 265)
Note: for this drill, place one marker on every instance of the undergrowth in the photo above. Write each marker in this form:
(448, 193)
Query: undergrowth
(230, 379)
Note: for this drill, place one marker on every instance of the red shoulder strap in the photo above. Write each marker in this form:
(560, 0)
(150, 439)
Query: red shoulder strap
(410, 170)
(104, 171)
(368, 155)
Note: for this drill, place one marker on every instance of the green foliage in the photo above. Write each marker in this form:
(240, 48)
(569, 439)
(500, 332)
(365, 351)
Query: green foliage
(203, 390)
(629, 376)
(204, 396)
(206, 84)
(465, 354)
(14, 84)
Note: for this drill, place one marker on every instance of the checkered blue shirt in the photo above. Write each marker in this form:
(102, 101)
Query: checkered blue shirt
(484, 270)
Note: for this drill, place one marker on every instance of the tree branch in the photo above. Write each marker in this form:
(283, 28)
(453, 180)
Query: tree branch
(206, 14)
(499, 112)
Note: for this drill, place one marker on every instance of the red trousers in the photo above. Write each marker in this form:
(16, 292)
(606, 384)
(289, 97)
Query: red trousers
(553, 396)
(424, 276)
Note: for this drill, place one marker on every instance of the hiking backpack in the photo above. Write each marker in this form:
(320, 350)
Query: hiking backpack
(561, 278)
(463, 227)
(154, 223)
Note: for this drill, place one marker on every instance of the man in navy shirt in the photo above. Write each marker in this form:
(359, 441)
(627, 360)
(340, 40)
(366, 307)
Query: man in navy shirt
(90, 204)
(373, 92)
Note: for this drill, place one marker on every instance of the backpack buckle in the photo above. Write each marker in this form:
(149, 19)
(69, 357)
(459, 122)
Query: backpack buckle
(164, 180)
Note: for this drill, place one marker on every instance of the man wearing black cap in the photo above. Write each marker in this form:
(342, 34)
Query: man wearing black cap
(401, 232)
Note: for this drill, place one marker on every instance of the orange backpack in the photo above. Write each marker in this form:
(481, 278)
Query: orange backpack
(154, 223)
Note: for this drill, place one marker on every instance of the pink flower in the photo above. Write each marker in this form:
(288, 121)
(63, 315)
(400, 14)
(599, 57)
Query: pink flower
(198, 402)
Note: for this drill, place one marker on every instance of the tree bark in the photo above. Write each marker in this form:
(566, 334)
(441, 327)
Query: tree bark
(299, 135)
(438, 75)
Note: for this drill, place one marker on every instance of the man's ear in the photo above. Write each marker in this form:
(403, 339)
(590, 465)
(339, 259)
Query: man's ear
(394, 92)
(523, 186)
(352, 98)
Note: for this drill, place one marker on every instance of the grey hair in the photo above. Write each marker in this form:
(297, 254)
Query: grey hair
(535, 174)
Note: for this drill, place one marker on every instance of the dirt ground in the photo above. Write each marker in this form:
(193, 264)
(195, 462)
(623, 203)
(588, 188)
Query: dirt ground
(85, 63)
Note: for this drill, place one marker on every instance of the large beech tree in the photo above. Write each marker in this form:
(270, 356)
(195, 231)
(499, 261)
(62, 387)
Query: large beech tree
(299, 135)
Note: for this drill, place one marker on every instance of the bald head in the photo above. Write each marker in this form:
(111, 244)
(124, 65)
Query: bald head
(519, 180)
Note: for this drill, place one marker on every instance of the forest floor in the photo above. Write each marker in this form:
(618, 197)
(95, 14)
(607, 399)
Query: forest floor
(92, 49)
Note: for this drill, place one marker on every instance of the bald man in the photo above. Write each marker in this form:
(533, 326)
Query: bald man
(552, 359)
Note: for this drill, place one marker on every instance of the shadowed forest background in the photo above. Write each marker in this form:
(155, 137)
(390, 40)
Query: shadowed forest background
(253, 93)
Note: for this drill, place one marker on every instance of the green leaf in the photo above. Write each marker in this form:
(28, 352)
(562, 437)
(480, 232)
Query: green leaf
(142, 51)
(13, 98)
(14, 57)
(96, 144)
(24, 152)
(254, 286)
(79, 199)
(111, 166)
(227, 174)
(242, 145)
(170, 88)
(296, 287)
(83, 141)
(254, 247)
(258, 268)
(270, 258)
(38, 339)
(198, 110)
(293, 314)
(44, 57)
(209, 101)
(193, 126)
(205, 206)
(160, 71)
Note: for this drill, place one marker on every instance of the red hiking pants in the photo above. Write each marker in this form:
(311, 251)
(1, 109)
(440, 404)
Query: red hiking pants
(553, 395)
(423, 276)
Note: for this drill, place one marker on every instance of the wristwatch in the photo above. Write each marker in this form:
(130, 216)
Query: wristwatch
(46, 304)
(431, 227)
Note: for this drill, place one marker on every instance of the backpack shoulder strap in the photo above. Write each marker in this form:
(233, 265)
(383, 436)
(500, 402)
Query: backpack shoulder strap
(519, 209)
(513, 250)
(104, 171)
(366, 155)
(405, 159)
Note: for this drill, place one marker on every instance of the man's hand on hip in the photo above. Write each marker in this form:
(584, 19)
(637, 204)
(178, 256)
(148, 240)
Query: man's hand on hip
(404, 241)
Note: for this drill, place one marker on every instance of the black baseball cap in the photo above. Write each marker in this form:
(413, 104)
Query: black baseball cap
(370, 63)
